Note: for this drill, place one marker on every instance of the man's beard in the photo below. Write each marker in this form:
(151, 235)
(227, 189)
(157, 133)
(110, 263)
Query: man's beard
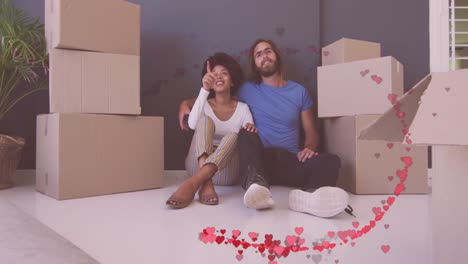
(270, 70)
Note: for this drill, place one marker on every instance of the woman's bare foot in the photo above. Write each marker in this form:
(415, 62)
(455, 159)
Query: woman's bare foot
(207, 194)
(183, 196)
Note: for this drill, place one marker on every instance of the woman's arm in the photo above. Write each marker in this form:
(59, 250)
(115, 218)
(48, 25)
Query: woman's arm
(197, 109)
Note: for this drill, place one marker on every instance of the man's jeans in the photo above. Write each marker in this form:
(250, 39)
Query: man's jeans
(276, 166)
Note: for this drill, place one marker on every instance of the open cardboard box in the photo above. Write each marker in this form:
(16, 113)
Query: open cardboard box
(432, 113)
(348, 50)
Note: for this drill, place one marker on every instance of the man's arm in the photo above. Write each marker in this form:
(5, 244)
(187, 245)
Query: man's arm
(311, 135)
(184, 110)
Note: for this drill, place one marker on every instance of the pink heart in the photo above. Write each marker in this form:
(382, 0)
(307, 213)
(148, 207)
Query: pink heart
(331, 234)
(278, 250)
(407, 160)
(290, 240)
(408, 149)
(392, 98)
(364, 73)
(301, 241)
(272, 262)
(389, 145)
(385, 248)
(409, 141)
(390, 178)
(386, 226)
(401, 114)
(377, 155)
(402, 174)
(376, 210)
(353, 244)
(209, 230)
(235, 233)
(299, 230)
(239, 257)
(399, 188)
(253, 236)
(390, 200)
(355, 224)
(376, 79)
(342, 235)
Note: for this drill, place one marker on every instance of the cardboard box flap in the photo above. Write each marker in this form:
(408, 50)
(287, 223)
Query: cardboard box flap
(428, 114)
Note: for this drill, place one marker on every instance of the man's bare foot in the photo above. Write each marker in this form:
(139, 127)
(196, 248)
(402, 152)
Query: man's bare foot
(207, 194)
(183, 196)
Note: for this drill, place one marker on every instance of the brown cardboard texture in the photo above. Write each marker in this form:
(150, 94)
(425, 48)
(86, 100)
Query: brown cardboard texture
(433, 114)
(348, 50)
(92, 82)
(360, 87)
(371, 167)
(110, 26)
(81, 155)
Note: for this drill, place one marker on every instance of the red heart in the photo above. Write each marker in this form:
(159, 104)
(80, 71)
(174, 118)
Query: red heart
(271, 257)
(342, 235)
(240, 252)
(402, 174)
(386, 207)
(389, 145)
(405, 131)
(261, 249)
(379, 216)
(286, 252)
(409, 141)
(219, 239)
(299, 230)
(236, 243)
(223, 231)
(376, 79)
(331, 234)
(390, 200)
(355, 224)
(319, 248)
(408, 149)
(386, 226)
(385, 248)
(268, 237)
(390, 178)
(401, 114)
(245, 245)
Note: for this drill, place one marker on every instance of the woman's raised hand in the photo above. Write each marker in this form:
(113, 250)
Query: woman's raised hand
(209, 78)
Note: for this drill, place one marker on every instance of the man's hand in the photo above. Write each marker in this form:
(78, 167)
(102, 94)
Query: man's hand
(209, 78)
(250, 128)
(183, 111)
(305, 154)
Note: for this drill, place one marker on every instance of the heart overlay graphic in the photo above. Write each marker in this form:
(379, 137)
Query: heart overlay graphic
(293, 243)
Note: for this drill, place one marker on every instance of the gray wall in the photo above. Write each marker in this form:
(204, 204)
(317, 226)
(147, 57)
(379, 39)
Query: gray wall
(177, 35)
(401, 26)
(173, 47)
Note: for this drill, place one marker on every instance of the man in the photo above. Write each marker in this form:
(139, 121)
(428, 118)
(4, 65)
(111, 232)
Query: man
(274, 156)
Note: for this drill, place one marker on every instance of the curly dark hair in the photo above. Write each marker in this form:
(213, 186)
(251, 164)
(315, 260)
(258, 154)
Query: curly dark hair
(254, 75)
(233, 67)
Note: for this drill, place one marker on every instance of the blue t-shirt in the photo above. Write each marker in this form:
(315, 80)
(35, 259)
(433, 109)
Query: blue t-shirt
(277, 112)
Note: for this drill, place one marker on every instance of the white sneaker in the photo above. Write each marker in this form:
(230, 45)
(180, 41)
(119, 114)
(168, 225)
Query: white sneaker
(324, 202)
(258, 197)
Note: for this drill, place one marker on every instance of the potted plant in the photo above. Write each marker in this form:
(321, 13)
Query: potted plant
(23, 71)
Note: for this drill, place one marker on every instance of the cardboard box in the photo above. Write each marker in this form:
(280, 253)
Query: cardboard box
(348, 50)
(92, 82)
(371, 167)
(81, 155)
(432, 114)
(358, 88)
(110, 26)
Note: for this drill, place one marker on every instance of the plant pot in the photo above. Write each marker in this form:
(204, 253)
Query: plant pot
(10, 153)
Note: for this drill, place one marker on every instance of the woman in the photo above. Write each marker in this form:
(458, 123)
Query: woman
(217, 117)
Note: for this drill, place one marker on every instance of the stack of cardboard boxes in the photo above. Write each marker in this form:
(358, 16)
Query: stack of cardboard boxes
(94, 142)
(355, 87)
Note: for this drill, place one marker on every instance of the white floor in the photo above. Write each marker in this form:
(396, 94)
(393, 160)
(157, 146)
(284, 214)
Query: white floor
(138, 228)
